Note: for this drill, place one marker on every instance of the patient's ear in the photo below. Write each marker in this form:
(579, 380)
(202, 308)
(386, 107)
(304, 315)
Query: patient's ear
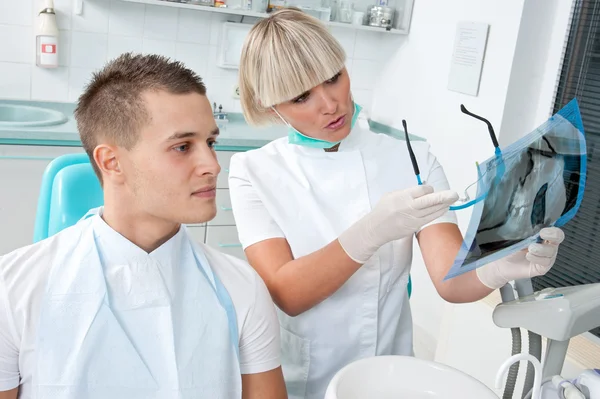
(106, 157)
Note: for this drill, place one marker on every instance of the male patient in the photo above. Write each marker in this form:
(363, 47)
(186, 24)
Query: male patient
(125, 304)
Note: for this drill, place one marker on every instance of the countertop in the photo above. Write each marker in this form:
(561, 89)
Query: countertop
(235, 134)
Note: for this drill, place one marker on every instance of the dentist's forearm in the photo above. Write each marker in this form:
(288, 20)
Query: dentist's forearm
(465, 288)
(12, 394)
(440, 244)
(297, 285)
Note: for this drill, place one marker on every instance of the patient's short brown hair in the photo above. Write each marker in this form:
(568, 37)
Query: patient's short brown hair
(112, 109)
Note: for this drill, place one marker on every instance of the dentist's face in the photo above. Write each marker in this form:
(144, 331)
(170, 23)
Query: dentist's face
(324, 112)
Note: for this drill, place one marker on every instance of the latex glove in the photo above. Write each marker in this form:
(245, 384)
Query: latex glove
(537, 260)
(397, 215)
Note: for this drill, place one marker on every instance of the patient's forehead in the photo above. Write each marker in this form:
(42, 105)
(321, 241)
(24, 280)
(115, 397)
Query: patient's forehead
(168, 114)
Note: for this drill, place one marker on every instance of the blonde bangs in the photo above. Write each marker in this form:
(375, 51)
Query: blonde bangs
(285, 55)
(295, 64)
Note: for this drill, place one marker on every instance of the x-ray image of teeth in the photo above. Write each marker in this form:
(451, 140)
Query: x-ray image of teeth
(537, 182)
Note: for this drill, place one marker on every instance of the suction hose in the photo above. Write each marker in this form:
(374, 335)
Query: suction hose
(535, 349)
(508, 295)
(524, 288)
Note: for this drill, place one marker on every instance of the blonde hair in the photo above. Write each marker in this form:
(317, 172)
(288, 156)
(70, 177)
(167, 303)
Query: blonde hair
(285, 55)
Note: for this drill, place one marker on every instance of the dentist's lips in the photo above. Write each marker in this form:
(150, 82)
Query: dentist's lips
(206, 192)
(337, 123)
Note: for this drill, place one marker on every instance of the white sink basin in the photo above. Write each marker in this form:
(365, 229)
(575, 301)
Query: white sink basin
(387, 377)
(12, 115)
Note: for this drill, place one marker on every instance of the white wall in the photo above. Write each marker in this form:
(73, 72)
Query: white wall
(521, 64)
(109, 27)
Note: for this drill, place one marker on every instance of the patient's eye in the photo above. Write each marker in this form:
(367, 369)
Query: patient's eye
(182, 148)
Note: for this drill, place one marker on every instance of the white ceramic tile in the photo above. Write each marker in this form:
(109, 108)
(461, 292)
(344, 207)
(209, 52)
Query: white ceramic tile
(88, 50)
(63, 10)
(364, 74)
(346, 37)
(364, 98)
(160, 47)
(160, 23)
(126, 19)
(194, 56)
(237, 106)
(349, 62)
(118, 45)
(18, 43)
(94, 17)
(215, 71)
(16, 12)
(376, 45)
(78, 79)
(64, 47)
(219, 90)
(50, 84)
(216, 28)
(194, 26)
(15, 81)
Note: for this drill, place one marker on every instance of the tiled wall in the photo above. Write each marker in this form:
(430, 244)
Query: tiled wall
(109, 27)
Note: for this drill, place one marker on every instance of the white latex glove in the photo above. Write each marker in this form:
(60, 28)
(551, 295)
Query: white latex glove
(537, 260)
(397, 215)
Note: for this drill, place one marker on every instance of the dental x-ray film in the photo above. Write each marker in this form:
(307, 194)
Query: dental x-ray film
(536, 182)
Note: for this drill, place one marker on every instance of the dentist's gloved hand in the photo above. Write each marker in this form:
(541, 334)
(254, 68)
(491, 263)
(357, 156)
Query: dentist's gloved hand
(397, 215)
(537, 260)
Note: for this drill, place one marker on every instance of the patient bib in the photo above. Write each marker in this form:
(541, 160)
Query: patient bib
(116, 323)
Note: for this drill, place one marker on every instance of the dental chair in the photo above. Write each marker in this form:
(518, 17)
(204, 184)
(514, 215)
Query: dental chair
(69, 189)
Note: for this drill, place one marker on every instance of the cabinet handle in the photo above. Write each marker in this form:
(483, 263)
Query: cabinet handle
(229, 245)
(226, 209)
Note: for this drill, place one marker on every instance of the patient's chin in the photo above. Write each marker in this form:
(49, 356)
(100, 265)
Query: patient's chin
(204, 214)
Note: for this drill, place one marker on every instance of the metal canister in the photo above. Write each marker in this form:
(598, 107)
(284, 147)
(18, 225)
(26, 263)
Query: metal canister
(381, 16)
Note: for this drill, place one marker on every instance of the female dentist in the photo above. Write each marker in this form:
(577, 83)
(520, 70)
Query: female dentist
(327, 215)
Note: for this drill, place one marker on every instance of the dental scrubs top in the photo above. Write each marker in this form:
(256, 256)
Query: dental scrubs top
(25, 272)
(309, 197)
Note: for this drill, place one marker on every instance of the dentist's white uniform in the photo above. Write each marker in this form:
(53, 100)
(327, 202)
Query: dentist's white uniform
(309, 197)
(86, 314)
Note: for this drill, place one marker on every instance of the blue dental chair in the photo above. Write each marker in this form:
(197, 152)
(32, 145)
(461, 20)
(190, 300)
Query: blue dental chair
(69, 189)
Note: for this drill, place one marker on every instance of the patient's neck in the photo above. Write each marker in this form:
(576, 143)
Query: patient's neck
(144, 230)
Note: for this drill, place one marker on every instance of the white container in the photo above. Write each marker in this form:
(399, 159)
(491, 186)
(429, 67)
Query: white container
(260, 5)
(344, 12)
(395, 377)
(46, 40)
(358, 18)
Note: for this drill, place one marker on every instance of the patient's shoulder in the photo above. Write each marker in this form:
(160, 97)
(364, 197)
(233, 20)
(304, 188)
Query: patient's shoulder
(33, 261)
(231, 271)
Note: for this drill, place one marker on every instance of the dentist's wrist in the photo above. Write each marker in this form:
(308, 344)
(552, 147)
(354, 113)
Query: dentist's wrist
(491, 275)
(358, 241)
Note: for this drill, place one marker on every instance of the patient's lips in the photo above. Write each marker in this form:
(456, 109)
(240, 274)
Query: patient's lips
(206, 192)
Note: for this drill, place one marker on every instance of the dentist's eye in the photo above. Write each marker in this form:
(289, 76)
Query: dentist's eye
(334, 78)
(303, 97)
